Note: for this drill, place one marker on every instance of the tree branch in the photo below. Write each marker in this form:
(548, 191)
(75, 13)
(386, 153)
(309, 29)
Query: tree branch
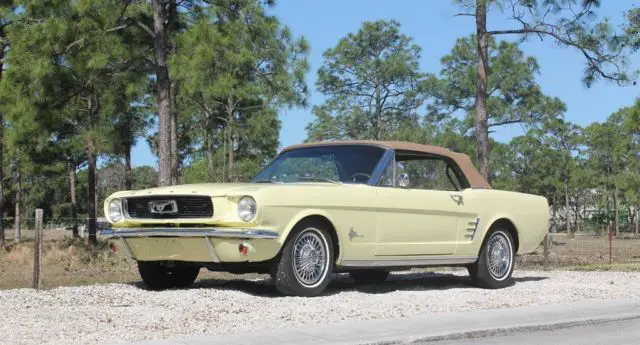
(593, 61)
(81, 40)
(145, 28)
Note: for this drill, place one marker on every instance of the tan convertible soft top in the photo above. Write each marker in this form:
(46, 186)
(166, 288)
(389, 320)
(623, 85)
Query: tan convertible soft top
(463, 161)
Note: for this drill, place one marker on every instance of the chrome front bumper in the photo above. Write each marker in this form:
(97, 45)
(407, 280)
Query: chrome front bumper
(193, 232)
(206, 234)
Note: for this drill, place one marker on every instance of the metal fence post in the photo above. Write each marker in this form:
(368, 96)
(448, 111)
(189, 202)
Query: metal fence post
(37, 249)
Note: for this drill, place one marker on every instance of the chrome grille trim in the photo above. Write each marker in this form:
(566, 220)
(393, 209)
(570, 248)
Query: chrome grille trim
(189, 207)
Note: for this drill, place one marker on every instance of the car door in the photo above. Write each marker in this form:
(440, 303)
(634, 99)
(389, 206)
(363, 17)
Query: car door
(420, 207)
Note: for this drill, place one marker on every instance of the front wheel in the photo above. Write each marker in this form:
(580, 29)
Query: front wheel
(304, 266)
(158, 276)
(495, 264)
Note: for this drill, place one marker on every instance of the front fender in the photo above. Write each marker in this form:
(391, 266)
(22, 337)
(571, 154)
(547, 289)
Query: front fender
(308, 213)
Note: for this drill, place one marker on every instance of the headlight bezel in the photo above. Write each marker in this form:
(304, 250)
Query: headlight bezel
(118, 207)
(247, 208)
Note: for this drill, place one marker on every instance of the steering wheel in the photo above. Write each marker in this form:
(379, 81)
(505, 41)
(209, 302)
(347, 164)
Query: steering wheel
(353, 177)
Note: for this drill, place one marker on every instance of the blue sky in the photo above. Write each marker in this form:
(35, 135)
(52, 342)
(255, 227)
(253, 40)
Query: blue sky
(433, 27)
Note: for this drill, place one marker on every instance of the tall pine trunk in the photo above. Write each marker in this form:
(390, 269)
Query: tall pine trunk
(616, 210)
(128, 177)
(230, 156)
(566, 202)
(608, 208)
(91, 195)
(73, 178)
(481, 116)
(377, 134)
(174, 134)
(16, 225)
(90, 151)
(230, 112)
(164, 92)
(209, 153)
(2, 235)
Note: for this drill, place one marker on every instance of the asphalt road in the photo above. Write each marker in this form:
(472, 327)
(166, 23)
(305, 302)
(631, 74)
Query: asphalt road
(609, 333)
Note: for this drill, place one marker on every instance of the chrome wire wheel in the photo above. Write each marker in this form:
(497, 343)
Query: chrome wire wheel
(310, 253)
(499, 256)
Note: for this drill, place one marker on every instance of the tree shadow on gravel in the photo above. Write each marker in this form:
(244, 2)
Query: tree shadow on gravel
(263, 287)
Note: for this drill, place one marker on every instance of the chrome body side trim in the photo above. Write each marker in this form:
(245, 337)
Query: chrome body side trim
(471, 229)
(193, 232)
(429, 260)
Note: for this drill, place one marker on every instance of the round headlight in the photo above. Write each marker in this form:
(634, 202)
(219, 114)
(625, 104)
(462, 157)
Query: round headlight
(115, 210)
(247, 208)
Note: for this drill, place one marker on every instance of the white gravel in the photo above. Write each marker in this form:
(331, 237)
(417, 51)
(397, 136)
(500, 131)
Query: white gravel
(120, 312)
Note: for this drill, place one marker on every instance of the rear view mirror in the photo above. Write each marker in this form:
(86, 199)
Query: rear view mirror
(403, 180)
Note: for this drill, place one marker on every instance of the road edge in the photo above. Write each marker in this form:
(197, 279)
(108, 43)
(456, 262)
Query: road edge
(506, 331)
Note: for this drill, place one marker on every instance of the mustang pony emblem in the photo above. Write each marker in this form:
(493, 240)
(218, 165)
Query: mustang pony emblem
(163, 207)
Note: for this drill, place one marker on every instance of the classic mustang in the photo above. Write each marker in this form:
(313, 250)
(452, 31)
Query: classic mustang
(362, 207)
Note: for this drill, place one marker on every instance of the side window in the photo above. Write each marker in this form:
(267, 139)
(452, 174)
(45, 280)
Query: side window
(427, 173)
(387, 176)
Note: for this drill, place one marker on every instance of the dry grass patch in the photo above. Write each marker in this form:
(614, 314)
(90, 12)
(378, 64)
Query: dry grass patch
(71, 262)
(65, 262)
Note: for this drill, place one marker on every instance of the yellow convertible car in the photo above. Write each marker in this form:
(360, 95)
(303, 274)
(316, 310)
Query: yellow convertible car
(360, 207)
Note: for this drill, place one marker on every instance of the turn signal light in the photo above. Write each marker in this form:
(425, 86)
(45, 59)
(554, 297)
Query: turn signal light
(243, 249)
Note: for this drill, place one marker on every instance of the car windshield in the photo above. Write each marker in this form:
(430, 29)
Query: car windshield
(339, 163)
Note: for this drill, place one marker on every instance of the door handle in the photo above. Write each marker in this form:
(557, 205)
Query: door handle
(457, 198)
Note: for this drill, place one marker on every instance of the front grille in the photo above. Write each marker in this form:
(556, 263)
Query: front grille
(187, 207)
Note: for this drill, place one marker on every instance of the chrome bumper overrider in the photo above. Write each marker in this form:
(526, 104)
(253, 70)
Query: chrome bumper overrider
(192, 232)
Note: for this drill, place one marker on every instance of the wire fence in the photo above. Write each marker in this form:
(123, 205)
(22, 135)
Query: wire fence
(61, 226)
(580, 250)
(584, 250)
(557, 250)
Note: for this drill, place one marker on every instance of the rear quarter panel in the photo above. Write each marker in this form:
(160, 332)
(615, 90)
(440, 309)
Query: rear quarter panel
(528, 213)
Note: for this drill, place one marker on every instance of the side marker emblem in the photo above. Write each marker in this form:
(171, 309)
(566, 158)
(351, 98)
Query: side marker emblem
(353, 234)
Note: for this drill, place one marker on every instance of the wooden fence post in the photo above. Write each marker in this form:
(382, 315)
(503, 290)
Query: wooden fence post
(547, 239)
(610, 238)
(37, 249)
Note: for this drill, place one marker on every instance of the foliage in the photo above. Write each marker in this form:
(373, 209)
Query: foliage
(372, 82)
(258, 68)
(514, 96)
(80, 86)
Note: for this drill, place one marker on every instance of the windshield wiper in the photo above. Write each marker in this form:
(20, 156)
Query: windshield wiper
(264, 180)
(320, 179)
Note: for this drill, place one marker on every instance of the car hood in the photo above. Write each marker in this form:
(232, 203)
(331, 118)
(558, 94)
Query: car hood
(212, 189)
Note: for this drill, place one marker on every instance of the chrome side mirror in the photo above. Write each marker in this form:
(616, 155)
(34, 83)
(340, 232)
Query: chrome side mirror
(403, 180)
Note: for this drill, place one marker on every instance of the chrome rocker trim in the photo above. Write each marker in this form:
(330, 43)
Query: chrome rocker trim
(431, 260)
(193, 232)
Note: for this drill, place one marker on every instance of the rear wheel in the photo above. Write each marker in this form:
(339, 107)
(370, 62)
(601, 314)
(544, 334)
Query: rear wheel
(371, 276)
(159, 276)
(304, 266)
(495, 264)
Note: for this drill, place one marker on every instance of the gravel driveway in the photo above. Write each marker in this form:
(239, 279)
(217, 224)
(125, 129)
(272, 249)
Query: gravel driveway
(121, 312)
